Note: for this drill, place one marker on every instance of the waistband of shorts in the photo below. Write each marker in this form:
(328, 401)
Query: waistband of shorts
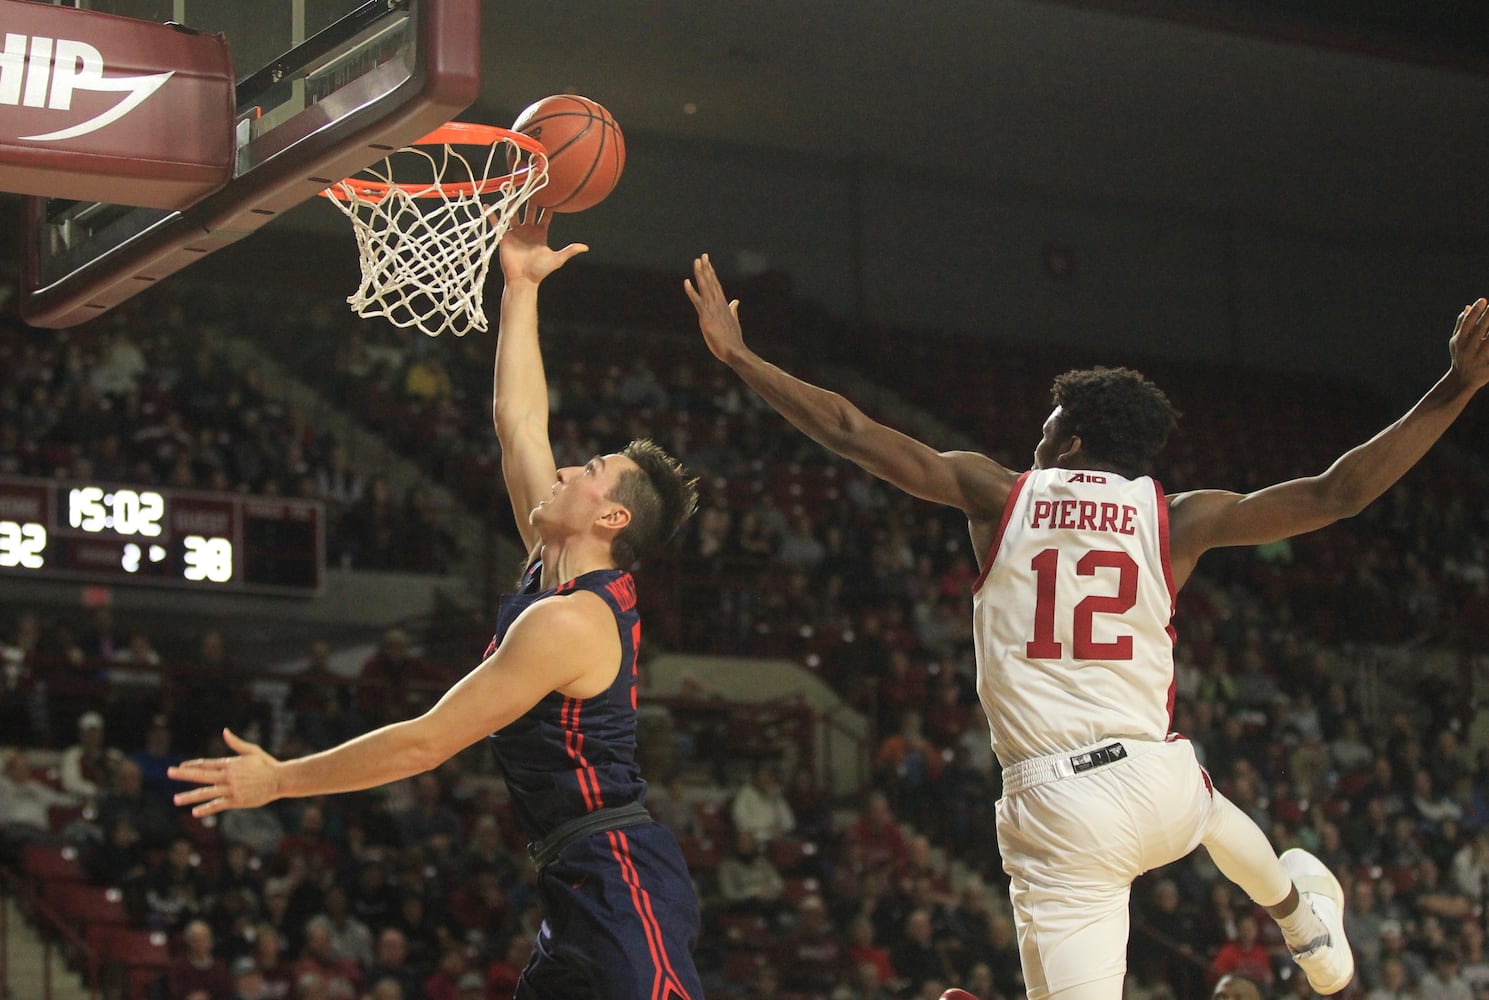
(614, 818)
(1070, 763)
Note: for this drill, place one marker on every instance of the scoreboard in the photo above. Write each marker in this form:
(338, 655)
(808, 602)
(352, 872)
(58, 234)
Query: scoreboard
(113, 533)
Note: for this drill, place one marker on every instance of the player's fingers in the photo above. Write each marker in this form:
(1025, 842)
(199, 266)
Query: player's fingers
(195, 795)
(734, 308)
(211, 808)
(687, 286)
(203, 772)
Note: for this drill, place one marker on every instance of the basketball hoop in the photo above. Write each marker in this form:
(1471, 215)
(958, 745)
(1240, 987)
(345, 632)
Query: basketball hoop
(426, 244)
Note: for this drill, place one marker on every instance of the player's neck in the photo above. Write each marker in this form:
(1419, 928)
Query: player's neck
(564, 560)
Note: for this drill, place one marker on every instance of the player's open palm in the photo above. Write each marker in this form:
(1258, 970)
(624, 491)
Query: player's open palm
(246, 781)
(1470, 344)
(718, 317)
(524, 251)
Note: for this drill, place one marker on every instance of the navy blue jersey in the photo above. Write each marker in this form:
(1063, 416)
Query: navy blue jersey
(569, 756)
(620, 917)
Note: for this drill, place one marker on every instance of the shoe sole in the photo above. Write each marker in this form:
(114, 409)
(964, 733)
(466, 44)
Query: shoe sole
(1318, 879)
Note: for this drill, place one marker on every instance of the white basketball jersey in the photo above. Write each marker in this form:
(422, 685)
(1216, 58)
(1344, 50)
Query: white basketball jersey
(1072, 614)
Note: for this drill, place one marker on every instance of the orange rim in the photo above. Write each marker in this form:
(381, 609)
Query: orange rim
(449, 134)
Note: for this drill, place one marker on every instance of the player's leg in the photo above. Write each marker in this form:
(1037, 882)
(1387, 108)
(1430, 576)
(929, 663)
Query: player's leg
(1297, 890)
(620, 921)
(1070, 861)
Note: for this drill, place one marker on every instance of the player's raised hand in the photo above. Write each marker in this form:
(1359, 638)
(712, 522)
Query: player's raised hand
(524, 251)
(242, 782)
(1469, 346)
(718, 317)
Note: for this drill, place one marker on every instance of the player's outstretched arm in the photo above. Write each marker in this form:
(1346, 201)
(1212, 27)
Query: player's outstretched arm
(966, 480)
(510, 681)
(1211, 518)
(519, 388)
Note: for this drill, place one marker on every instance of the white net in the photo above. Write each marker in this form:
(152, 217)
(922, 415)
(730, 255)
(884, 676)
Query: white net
(426, 244)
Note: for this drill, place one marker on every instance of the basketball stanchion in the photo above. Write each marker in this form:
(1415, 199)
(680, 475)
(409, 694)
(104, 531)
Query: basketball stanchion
(425, 235)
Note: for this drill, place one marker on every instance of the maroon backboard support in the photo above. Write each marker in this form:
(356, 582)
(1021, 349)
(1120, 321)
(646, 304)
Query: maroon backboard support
(97, 107)
(379, 79)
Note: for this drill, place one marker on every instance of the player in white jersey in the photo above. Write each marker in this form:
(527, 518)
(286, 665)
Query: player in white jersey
(1081, 558)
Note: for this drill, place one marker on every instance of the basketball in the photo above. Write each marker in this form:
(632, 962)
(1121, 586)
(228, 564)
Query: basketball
(956, 994)
(586, 151)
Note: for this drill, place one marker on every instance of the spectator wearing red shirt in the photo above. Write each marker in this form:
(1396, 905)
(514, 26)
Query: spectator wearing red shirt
(881, 842)
(864, 950)
(811, 956)
(1244, 954)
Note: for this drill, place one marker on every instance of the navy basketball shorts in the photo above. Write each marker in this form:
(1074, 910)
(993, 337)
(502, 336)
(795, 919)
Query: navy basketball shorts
(620, 919)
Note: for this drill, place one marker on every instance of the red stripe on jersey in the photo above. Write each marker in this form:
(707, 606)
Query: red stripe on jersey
(1173, 592)
(635, 655)
(1013, 499)
(623, 589)
(589, 785)
(666, 977)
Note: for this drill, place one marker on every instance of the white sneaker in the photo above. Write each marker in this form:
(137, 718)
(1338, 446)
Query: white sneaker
(1328, 963)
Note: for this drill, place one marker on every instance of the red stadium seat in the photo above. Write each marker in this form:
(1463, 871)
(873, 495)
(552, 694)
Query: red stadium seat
(85, 905)
(701, 853)
(53, 864)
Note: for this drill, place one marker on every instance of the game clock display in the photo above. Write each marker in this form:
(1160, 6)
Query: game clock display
(110, 533)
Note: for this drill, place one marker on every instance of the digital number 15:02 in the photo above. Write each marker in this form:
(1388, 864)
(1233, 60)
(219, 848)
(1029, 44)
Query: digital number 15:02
(128, 512)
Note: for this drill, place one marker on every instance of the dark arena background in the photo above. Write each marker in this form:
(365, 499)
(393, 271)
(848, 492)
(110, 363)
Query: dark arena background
(227, 500)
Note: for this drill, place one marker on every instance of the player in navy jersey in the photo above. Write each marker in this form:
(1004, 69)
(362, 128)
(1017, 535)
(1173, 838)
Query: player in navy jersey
(1081, 559)
(555, 696)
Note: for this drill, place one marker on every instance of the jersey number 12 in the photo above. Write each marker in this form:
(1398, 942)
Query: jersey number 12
(1046, 567)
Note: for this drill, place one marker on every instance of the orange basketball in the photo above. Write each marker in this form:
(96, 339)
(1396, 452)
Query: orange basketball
(586, 151)
(956, 994)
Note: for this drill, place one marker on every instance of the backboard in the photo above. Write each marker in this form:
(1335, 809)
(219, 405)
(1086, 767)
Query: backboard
(324, 88)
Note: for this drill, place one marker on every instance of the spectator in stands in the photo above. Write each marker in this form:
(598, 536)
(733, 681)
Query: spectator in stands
(1444, 981)
(177, 891)
(1394, 984)
(270, 947)
(1236, 986)
(368, 534)
(309, 840)
(748, 881)
(374, 901)
(502, 974)
(87, 767)
(197, 974)
(395, 681)
(863, 949)
(351, 939)
(248, 980)
(908, 765)
(444, 982)
(760, 806)
(1246, 955)
(810, 955)
(391, 962)
(341, 978)
(811, 806)
(155, 758)
(878, 834)
(25, 806)
(918, 957)
(259, 830)
(1394, 946)
(153, 817)
(429, 821)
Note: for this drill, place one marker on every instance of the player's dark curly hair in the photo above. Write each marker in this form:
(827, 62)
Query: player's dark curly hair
(1121, 417)
(660, 496)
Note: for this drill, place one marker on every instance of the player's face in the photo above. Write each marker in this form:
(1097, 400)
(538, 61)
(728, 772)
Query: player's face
(1047, 452)
(579, 493)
